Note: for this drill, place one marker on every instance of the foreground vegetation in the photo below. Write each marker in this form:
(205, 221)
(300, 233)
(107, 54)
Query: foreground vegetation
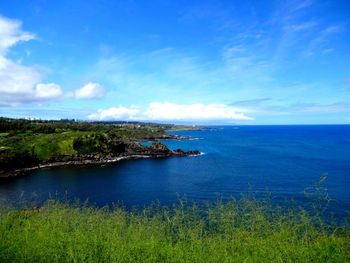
(238, 231)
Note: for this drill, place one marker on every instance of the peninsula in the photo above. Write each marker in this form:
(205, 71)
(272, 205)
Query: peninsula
(32, 144)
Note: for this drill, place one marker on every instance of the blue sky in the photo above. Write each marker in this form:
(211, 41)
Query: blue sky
(222, 62)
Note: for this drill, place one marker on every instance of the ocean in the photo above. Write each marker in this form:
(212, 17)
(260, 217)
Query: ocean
(282, 162)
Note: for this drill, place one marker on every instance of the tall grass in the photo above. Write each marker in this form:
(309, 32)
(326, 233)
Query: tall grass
(244, 230)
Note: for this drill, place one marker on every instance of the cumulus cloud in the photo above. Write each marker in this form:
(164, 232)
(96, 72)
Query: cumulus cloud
(48, 91)
(15, 78)
(116, 113)
(90, 91)
(20, 84)
(166, 111)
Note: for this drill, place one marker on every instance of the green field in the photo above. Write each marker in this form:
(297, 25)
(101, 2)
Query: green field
(238, 231)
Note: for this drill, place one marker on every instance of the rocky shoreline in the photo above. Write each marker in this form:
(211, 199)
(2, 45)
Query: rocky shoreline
(30, 145)
(146, 152)
(164, 137)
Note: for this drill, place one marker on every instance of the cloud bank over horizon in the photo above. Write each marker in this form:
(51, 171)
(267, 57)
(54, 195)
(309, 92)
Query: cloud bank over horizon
(166, 111)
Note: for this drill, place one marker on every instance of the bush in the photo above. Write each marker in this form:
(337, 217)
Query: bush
(17, 159)
(89, 144)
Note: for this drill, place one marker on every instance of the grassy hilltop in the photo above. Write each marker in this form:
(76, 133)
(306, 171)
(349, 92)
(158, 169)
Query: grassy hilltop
(25, 143)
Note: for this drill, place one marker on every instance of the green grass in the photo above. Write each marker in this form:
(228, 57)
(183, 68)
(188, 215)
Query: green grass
(48, 145)
(238, 231)
(45, 145)
(3, 134)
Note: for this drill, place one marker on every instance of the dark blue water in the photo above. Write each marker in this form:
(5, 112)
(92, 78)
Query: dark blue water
(282, 160)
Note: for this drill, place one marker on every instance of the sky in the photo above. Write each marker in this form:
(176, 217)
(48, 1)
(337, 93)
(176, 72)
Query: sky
(207, 62)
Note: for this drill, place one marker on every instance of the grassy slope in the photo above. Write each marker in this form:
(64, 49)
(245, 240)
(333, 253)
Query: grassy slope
(61, 143)
(45, 145)
(244, 231)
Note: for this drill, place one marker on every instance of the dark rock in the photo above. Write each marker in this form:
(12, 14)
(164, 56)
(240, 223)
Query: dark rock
(128, 150)
(193, 152)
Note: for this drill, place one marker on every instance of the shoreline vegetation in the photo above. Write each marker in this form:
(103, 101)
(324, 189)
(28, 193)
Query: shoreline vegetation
(242, 230)
(27, 145)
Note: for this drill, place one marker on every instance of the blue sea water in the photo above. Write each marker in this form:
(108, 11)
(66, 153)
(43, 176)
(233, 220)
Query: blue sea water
(281, 160)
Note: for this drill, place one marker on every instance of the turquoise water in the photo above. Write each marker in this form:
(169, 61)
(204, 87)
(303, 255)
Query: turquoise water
(281, 160)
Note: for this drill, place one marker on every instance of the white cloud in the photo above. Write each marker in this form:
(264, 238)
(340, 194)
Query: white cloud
(20, 84)
(11, 33)
(198, 111)
(90, 91)
(48, 91)
(157, 111)
(115, 113)
(15, 78)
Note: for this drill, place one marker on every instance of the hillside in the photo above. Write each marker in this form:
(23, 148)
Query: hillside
(30, 143)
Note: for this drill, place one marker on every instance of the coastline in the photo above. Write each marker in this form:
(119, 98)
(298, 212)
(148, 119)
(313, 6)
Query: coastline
(123, 150)
(93, 160)
(164, 137)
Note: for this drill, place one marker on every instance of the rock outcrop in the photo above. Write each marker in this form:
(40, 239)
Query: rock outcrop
(131, 150)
